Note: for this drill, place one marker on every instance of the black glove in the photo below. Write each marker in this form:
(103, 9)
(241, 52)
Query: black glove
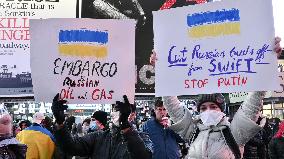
(125, 109)
(58, 107)
(184, 150)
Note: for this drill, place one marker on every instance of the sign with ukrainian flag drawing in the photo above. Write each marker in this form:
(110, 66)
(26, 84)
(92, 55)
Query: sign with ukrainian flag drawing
(215, 47)
(85, 60)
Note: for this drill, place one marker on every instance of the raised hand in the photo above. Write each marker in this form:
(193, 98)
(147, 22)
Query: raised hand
(58, 107)
(125, 109)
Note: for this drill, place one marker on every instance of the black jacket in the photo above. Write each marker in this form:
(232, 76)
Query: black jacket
(276, 148)
(106, 144)
(257, 147)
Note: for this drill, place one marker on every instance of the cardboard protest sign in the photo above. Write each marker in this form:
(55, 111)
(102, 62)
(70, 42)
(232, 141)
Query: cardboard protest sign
(85, 60)
(15, 71)
(215, 47)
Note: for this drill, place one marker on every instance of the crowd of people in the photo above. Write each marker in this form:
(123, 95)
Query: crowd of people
(173, 132)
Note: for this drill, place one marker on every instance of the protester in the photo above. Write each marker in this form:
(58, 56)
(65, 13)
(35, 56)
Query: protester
(99, 121)
(47, 123)
(10, 148)
(276, 145)
(86, 125)
(122, 142)
(217, 138)
(274, 122)
(40, 142)
(257, 147)
(165, 141)
(24, 124)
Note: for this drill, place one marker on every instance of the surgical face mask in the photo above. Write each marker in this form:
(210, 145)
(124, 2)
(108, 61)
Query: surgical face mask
(115, 118)
(211, 117)
(93, 125)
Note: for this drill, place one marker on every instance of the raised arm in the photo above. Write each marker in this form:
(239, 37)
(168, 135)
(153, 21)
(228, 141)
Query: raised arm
(139, 144)
(181, 116)
(77, 146)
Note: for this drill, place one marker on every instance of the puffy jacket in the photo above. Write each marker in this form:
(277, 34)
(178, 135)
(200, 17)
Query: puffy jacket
(10, 148)
(276, 148)
(210, 142)
(164, 140)
(106, 144)
(39, 140)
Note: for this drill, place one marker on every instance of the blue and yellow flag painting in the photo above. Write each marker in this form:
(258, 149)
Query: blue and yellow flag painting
(83, 43)
(213, 24)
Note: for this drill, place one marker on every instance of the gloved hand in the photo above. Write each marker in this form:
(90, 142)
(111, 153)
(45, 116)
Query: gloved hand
(125, 109)
(58, 107)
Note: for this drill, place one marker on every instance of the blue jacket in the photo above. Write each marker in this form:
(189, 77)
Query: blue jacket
(164, 140)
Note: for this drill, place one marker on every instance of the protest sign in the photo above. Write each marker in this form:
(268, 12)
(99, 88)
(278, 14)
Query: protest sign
(216, 47)
(85, 60)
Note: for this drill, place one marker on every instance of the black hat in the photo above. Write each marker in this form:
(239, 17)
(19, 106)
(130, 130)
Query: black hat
(216, 98)
(101, 116)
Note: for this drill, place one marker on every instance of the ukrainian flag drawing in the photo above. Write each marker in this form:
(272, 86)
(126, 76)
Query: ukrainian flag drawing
(213, 24)
(83, 43)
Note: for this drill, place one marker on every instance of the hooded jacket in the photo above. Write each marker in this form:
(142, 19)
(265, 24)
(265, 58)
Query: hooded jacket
(210, 142)
(106, 144)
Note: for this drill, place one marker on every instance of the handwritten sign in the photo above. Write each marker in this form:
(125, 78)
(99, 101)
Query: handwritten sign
(15, 71)
(215, 47)
(85, 60)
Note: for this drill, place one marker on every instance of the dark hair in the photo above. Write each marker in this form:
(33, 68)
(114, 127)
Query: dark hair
(27, 122)
(159, 103)
(69, 122)
(47, 123)
(87, 120)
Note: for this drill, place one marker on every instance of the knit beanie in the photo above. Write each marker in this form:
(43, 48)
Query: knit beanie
(101, 116)
(216, 98)
(5, 121)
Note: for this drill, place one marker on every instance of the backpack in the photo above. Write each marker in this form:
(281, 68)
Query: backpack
(230, 140)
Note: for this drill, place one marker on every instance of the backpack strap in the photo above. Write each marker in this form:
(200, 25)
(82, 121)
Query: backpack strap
(231, 142)
(194, 135)
(229, 138)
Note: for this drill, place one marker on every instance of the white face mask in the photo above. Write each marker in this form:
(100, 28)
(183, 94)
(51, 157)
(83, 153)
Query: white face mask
(115, 118)
(211, 117)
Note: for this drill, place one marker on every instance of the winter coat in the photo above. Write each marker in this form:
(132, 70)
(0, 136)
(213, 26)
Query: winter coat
(164, 140)
(106, 144)
(276, 148)
(40, 142)
(257, 147)
(10, 148)
(210, 142)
